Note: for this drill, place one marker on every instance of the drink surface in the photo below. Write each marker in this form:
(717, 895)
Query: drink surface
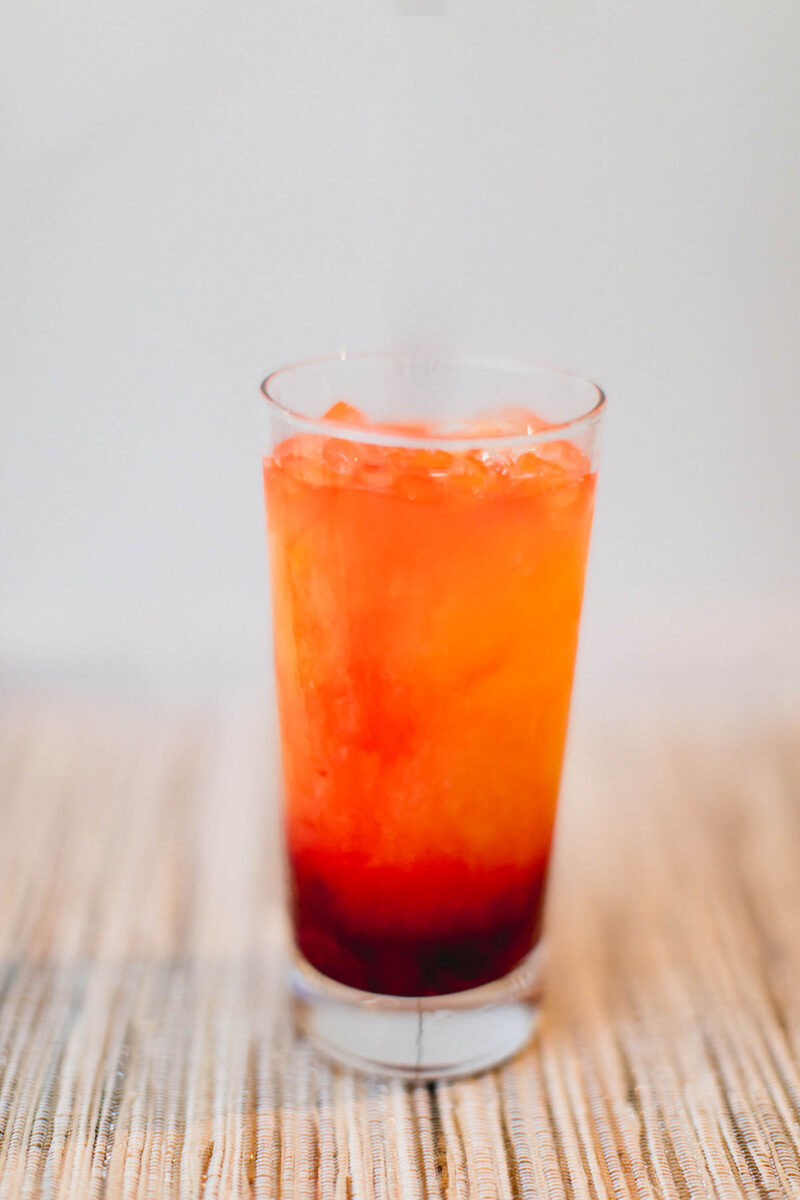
(426, 607)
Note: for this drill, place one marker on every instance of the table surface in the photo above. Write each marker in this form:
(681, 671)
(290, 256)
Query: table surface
(145, 1045)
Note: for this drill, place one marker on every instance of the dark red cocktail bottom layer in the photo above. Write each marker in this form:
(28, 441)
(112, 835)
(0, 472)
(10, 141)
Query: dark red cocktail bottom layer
(396, 962)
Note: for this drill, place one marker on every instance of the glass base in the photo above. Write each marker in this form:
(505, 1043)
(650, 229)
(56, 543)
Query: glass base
(428, 1037)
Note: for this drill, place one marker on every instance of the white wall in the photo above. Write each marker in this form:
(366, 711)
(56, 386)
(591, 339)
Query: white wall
(199, 191)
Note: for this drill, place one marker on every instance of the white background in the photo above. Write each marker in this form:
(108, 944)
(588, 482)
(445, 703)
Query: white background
(198, 192)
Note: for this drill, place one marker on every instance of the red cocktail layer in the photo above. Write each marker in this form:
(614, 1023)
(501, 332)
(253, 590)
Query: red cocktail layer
(426, 607)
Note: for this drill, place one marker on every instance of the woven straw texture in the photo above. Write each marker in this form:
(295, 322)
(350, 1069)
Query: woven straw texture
(145, 1044)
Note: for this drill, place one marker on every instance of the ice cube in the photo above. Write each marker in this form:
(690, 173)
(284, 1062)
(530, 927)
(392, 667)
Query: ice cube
(341, 456)
(342, 413)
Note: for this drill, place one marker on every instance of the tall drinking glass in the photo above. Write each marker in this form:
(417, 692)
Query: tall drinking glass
(429, 522)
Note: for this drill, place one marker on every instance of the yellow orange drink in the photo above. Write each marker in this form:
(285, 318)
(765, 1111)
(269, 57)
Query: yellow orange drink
(426, 608)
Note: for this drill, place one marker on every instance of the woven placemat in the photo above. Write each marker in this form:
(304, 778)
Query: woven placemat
(145, 1045)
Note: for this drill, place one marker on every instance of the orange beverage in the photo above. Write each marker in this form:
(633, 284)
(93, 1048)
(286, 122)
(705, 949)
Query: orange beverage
(426, 608)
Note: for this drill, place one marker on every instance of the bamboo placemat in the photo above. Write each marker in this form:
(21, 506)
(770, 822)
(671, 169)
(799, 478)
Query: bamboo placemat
(145, 1049)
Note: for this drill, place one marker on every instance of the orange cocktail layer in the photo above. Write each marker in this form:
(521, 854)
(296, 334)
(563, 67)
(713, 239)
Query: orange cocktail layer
(426, 610)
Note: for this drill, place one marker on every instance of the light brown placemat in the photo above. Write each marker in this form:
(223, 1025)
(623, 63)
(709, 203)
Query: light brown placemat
(145, 1049)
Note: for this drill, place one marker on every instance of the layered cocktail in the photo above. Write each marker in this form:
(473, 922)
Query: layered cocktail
(427, 577)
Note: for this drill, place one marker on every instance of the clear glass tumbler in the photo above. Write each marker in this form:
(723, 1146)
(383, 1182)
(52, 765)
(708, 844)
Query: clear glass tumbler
(429, 523)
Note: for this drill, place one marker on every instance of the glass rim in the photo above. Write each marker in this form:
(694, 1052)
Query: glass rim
(448, 439)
